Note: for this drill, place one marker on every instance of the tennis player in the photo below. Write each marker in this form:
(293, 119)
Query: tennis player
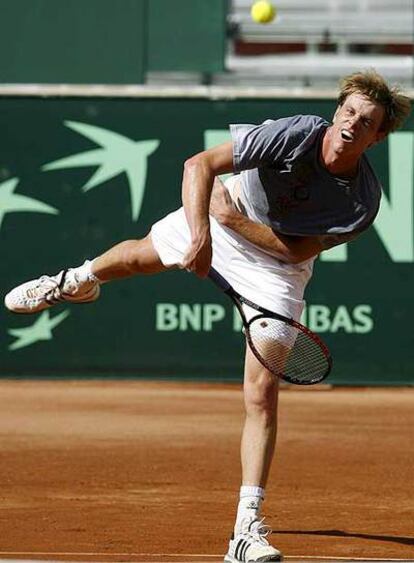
(301, 185)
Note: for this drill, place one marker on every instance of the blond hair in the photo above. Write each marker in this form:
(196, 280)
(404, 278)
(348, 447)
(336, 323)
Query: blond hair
(369, 83)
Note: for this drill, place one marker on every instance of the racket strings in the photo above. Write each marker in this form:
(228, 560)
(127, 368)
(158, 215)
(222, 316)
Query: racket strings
(287, 351)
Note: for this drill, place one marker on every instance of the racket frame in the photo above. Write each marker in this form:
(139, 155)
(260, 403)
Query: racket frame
(239, 301)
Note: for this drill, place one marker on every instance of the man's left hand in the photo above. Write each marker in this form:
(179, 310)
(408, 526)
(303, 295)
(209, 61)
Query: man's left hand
(222, 207)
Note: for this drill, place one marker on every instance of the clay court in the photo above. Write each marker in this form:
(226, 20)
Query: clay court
(149, 471)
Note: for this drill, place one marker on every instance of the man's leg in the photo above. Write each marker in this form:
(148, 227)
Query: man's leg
(126, 259)
(257, 447)
(259, 432)
(82, 284)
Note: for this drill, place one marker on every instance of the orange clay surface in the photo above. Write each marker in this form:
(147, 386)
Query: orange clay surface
(131, 470)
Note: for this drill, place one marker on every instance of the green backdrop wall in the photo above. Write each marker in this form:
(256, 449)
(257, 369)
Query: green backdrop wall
(107, 41)
(78, 175)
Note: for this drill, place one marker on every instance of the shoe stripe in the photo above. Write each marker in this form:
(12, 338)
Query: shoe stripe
(239, 548)
(243, 552)
(236, 551)
(62, 279)
(52, 299)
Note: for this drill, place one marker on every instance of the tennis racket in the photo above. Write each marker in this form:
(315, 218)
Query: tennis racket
(285, 347)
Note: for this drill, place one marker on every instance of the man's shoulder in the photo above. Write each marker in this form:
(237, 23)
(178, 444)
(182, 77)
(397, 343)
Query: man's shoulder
(298, 123)
(297, 132)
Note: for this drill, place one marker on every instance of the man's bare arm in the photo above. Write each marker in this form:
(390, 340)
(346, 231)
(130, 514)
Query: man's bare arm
(289, 249)
(199, 173)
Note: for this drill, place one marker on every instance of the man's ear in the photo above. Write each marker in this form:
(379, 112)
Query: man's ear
(335, 114)
(380, 136)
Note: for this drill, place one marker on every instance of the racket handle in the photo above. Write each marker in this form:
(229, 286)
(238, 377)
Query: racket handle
(219, 280)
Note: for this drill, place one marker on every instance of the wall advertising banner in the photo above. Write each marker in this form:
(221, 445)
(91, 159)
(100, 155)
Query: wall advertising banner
(79, 175)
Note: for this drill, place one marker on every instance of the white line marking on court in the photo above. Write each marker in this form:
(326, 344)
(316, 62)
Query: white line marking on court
(107, 554)
(175, 555)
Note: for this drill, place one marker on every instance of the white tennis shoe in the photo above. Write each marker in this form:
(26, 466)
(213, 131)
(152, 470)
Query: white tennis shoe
(251, 546)
(46, 291)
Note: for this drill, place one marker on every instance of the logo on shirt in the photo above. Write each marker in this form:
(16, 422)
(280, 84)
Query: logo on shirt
(292, 198)
(295, 180)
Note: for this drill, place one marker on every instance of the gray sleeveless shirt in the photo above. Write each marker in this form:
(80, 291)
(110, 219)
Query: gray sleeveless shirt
(285, 186)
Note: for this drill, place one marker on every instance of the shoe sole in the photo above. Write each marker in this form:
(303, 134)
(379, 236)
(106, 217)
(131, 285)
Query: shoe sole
(229, 559)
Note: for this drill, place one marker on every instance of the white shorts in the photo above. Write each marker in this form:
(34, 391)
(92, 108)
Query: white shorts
(253, 273)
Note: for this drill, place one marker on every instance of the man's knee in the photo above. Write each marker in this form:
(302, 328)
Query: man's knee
(260, 387)
(139, 256)
(260, 393)
(129, 252)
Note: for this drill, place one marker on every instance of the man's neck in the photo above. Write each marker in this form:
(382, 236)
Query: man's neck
(338, 164)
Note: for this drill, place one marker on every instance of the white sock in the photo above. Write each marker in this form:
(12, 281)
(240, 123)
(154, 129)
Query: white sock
(250, 504)
(83, 273)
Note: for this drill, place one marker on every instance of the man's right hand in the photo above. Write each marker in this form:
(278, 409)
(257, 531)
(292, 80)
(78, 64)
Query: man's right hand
(198, 178)
(198, 256)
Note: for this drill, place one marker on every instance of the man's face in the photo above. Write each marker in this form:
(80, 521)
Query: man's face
(356, 125)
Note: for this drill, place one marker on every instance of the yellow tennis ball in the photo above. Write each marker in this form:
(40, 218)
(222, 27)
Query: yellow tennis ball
(263, 12)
